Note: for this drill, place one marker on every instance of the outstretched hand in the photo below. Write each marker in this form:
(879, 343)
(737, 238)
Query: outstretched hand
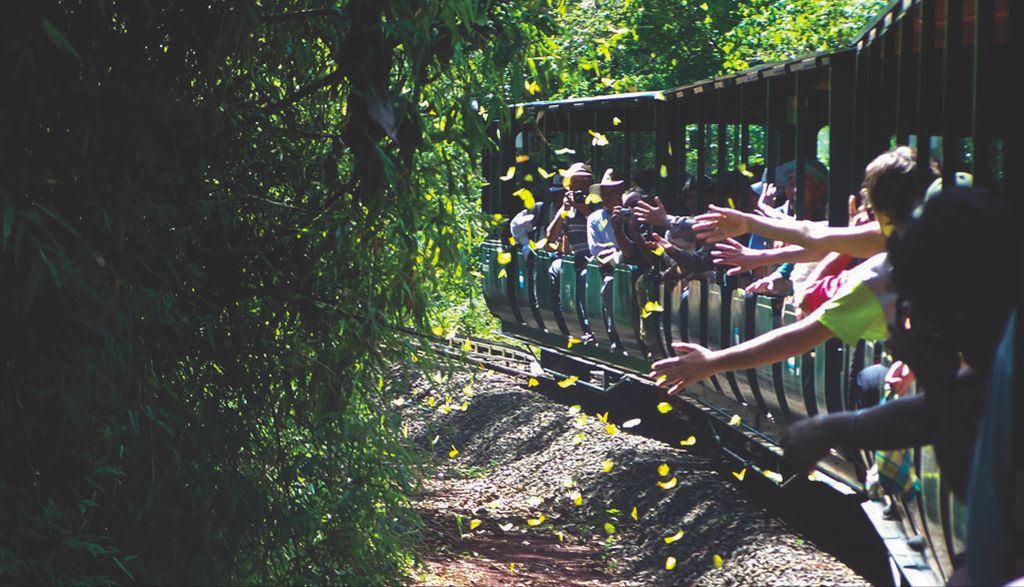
(773, 285)
(807, 441)
(719, 224)
(655, 215)
(693, 364)
(659, 241)
(741, 258)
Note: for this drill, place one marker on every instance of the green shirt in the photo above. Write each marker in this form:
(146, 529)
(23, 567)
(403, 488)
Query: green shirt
(863, 306)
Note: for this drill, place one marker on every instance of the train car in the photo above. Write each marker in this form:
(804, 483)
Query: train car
(923, 74)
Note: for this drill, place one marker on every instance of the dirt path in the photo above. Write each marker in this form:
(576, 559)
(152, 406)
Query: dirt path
(526, 491)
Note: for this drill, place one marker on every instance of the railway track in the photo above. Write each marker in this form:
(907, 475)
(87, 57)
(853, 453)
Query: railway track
(793, 496)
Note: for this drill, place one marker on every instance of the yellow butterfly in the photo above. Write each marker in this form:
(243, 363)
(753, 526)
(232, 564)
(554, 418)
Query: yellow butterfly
(735, 420)
(633, 514)
(664, 407)
(536, 521)
(454, 452)
(568, 382)
(689, 441)
(741, 474)
(670, 563)
(607, 466)
(663, 469)
(508, 175)
(473, 524)
(668, 484)
(674, 537)
(533, 382)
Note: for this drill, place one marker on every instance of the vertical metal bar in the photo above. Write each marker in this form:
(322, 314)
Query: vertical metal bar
(925, 62)
(842, 174)
(677, 168)
(903, 79)
(569, 142)
(952, 103)
(744, 129)
(800, 144)
(660, 144)
(773, 121)
(981, 106)
(627, 154)
(884, 96)
(723, 149)
(701, 154)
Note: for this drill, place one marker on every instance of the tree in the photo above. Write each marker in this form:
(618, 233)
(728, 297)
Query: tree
(212, 217)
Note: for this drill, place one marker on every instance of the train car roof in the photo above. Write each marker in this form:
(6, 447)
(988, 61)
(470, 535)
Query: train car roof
(595, 100)
(758, 72)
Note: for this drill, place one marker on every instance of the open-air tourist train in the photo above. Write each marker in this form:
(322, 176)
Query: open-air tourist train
(925, 73)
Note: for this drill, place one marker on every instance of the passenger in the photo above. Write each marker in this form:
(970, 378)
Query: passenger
(684, 246)
(603, 236)
(567, 235)
(938, 326)
(859, 310)
(809, 241)
(635, 241)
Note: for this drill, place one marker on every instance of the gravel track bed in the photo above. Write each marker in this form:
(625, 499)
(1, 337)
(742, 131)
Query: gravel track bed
(521, 456)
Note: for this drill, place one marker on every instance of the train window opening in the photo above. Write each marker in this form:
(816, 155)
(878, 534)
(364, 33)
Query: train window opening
(691, 136)
(711, 149)
(822, 145)
(642, 160)
(756, 147)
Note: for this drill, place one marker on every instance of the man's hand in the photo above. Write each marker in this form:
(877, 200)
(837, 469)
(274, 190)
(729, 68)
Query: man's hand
(654, 215)
(567, 202)
(741, 258)
(808, 441)
(773, 285)
(766, 201)
(899, 377)
(619, 215)
(693, 364)
(719, 224)
(659, 241)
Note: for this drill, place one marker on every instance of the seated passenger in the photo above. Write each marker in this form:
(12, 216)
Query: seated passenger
(603, 237)
(567, 236)
(635, 238)
(687, 251)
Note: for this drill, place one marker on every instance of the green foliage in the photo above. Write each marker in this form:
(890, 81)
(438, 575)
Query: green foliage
(212, 216)
(612, 46)
(773, 31)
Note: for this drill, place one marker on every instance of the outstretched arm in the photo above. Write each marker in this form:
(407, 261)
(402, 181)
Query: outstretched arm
(857, 241)
(895, 424)
(700, 363)
(730, 252)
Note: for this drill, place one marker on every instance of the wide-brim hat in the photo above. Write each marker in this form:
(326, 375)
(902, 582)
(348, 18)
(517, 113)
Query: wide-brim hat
(812, 168)
(577, 169)
(611, 179)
